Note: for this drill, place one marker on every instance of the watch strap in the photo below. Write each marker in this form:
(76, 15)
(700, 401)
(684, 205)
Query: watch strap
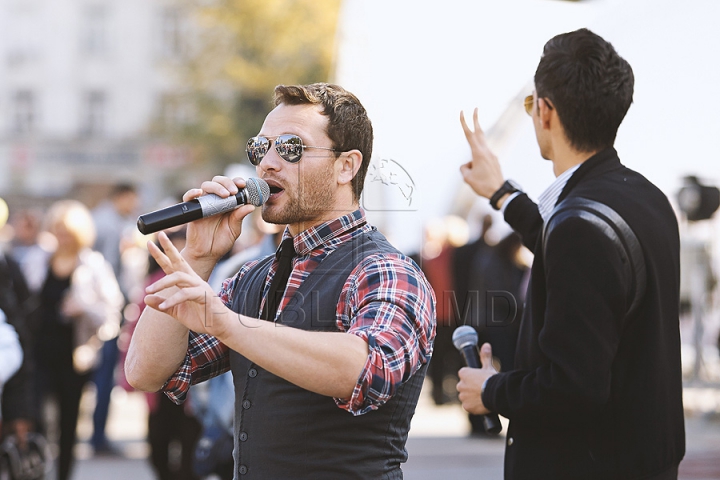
(507, 187)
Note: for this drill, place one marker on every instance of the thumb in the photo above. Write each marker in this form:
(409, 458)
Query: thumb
(486, 356)
(241, 212)
(153, 301)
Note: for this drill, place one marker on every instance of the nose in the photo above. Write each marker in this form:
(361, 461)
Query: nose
(271, 161)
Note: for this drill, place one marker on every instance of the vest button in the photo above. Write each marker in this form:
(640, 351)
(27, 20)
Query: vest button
(510, 441)
(246, 404)
(243, 436)
(242, 469)
(252, 373)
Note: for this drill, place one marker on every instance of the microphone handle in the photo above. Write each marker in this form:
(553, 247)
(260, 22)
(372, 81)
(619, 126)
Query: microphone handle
(471, 354)
(185, 212)
(491, 422)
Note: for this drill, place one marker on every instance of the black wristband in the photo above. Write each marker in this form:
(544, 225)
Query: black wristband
(508, 187)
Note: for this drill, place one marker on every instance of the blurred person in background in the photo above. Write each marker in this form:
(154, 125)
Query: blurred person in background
(503, 268)
(170, 424)
(480, 269)
(171, 428)
(114, 224)
(442, 238)
(114, 220)
(470, 296)
(25, 247)
(79, 308)
(11, 355)
(596, 389)
(11, 350)
(18, 396)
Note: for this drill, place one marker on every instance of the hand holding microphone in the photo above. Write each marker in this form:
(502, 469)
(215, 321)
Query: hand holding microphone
(256, 192)
(465, 340)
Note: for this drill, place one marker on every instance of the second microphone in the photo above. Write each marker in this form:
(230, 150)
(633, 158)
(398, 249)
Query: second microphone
(465, 339)
(256, 192)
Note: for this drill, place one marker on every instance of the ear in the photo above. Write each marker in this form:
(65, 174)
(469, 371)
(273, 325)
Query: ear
(347, 165)
(547, 113)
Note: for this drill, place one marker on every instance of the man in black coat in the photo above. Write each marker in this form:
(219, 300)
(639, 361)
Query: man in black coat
(596, 392)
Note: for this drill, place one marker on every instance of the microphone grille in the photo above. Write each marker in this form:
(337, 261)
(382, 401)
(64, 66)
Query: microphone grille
(257, 191)
(463, 336)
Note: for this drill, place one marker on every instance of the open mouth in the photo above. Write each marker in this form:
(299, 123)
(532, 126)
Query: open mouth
(274, 191)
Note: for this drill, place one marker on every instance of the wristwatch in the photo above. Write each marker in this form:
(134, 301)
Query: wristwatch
(508, 187)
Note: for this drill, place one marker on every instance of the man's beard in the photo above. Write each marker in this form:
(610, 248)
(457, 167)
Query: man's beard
(313, 199)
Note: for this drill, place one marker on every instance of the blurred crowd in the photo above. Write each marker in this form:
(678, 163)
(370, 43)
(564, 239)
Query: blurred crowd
(62, 293)
(71, 290)
(71, 287)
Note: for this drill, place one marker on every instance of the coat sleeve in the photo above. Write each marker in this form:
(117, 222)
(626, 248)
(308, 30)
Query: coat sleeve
(97, 291)
(580, 335)
(524, 217)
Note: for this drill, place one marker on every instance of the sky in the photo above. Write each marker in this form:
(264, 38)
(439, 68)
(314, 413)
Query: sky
(416, 64)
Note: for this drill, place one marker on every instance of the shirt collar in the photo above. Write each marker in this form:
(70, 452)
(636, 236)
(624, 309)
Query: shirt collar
(310, 239)
(548, 199)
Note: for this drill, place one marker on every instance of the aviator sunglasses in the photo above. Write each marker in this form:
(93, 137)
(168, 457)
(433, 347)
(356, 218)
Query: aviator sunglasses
(290, 148)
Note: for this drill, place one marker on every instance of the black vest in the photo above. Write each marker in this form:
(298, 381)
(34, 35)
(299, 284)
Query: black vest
(285, 432)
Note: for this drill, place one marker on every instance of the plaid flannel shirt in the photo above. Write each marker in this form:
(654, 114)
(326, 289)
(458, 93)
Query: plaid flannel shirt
(386, 301)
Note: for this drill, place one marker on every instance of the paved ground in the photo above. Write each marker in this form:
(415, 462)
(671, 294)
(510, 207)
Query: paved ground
(439, 445)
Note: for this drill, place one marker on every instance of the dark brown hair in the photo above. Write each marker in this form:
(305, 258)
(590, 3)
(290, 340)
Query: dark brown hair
(349, 127)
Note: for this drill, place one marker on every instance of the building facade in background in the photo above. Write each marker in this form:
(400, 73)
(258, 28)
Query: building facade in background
(83, 84)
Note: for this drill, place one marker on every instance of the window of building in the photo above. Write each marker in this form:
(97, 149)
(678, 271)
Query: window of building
(23, 112)
(94, 31)
(21, 41)
(94, 122)
(171, 34)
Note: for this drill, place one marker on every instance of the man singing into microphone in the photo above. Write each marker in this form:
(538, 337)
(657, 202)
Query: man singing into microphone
(328, 339)
(597, 391)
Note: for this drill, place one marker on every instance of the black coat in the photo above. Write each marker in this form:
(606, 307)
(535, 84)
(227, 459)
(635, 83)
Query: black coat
(596, 394)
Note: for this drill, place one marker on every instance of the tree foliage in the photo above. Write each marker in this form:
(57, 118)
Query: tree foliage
(242, 49)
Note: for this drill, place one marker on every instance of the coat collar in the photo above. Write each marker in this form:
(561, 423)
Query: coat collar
(602, 162)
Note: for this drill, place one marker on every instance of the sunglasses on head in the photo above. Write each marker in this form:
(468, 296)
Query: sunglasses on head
(290, 148)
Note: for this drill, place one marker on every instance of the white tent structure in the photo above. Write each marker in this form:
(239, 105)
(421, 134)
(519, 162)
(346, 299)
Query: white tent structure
(416, 64)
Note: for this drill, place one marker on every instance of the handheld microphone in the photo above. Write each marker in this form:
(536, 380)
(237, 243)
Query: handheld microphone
(256, 192)
(465, 339)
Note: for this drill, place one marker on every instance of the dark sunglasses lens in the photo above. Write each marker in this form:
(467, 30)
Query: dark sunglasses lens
(256, 149)
(289, 147)
(529, 104)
